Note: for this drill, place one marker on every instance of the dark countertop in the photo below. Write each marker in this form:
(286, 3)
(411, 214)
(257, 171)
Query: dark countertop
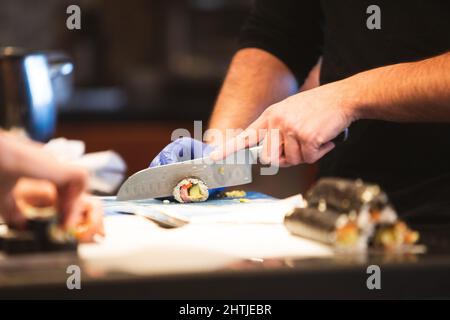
(342, 276)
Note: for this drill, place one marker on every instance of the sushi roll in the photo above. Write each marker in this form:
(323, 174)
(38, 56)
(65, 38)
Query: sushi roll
(40, 235)
(393, 235)
(191, 190)
(349, 214)
(326, 226)
(346, 195)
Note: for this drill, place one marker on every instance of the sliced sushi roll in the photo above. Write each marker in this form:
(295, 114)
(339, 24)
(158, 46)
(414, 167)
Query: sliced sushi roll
(191, 190)
(327, 226)
(346, 195)
(393, 235)
(349, 214)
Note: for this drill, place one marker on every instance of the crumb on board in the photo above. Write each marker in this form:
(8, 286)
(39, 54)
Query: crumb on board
(244, 200)
(222, 170)
(235, 194)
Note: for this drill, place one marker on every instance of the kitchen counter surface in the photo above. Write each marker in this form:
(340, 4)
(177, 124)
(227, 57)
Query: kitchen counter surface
(168, 273)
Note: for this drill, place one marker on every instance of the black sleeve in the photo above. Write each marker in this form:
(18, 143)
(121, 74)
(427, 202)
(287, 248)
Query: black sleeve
(289, 29)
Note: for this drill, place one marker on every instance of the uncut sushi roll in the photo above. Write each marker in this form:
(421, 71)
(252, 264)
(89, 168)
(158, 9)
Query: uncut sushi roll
(191, 190)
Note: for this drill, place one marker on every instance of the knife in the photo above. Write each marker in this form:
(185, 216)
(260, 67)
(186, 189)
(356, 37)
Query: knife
(158, 182)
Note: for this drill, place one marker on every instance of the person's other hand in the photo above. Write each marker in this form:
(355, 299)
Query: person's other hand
(64, 184)
(41, 194)
(305, 124)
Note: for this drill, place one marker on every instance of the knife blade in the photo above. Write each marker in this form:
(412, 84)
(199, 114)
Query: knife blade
(159, 181)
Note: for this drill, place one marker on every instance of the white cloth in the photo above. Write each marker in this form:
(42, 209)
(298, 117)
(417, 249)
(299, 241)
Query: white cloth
(106, 168)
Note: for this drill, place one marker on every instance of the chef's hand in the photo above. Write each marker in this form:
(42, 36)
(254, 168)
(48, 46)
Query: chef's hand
(49, 184)
(184, 149)
(304, 125)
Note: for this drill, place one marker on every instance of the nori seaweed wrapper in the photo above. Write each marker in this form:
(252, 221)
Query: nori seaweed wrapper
(348, 213)
(346, 195)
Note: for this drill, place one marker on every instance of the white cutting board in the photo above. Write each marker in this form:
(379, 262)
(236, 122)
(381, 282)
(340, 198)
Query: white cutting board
(218, 236)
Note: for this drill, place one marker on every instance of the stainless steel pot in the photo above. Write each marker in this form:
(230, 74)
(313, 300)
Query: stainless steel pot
(32, 84)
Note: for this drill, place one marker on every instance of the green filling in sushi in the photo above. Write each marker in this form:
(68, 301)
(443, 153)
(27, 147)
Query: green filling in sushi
(190, 190)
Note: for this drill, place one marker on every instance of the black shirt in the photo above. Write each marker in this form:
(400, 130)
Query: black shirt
(409, 160)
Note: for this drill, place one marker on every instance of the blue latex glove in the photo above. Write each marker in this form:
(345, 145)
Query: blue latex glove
(181, 150)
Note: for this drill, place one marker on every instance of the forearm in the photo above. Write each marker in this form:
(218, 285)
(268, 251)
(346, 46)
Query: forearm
(406, 92)
(256, 79)
(28, 159)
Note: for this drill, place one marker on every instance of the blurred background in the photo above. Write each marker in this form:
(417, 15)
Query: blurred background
(142, 69)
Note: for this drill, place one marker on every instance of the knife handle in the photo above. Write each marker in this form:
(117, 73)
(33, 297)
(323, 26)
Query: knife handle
(341, 138)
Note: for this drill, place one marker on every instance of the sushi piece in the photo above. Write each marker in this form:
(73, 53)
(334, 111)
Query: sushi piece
(349, 214)
(391, 236)
(40, 235)
(191, 190)
(346, 195)
(327, 226)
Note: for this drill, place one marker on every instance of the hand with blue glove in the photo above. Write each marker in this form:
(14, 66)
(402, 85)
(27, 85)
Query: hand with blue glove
(184, 149)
